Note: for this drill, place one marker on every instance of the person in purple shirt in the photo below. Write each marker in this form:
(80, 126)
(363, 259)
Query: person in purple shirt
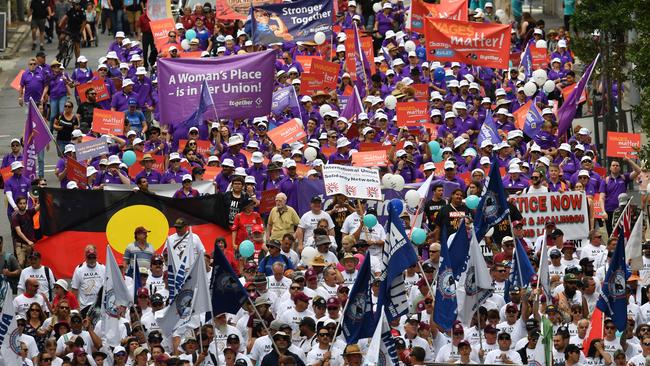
(142, 87)
(117, 46)
(502, 122)
(186, 190)
(175, 173)
(32, 84)
(405, 166)
(450, 126)
(16, 153)
(384, 19)
(60, 171)
(503, 154)
(585, 178)
(57, 89)
(289, 184)
(556, 73)
(16, 186)
(149, 173)
(235, 144)
(562, 53)
(223, 179)
(120, 101)
(257, 170)
(450, 175)
(113, 174)
(613, 185)
(514, 181)
(342, 154)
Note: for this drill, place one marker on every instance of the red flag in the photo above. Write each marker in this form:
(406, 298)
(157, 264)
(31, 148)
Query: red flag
(595, 330)
(521, 113)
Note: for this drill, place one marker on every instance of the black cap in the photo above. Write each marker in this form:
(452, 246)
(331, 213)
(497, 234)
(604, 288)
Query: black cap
(157, 299)
(316, 199)
(428, 267)
(532, 324)
(371, 211)
(41, 54)
(232, 338)
(563, 331)
(319, 301)
(646, 245)
(399, 342)
(155, 336)
(557, 233)
(586, 261)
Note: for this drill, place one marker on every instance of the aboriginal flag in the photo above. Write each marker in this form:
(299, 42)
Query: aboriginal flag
(72, 219)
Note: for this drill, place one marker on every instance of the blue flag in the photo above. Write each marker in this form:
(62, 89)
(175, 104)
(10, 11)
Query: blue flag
(493, 207)
(397, 256)
(227, 292)
(527, 62)
(459, 250)
(520, 273)
(612, 301)
(359, 320)
(281, 99)
(533, 123)
(137, 283)
(446, 309)
(196, 118)
(488, 131)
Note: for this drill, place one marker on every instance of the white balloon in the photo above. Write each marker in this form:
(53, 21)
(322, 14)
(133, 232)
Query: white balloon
(310, 154)
(409, 46)
(308, 254)
(539, 77)
(325, 108)
(302, 125)
(385, 180)
(376, 7)
(549, 86)
(390, 102)
(320, 38)
(541, 44)
(397, 182)
(530, 88)
(500, 13)
(412, 198)
(185, 44)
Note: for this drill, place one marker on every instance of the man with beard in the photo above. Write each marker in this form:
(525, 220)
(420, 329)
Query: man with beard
(86, 109)
(571, 296)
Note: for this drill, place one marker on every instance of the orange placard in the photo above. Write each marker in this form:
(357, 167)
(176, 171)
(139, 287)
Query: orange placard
(370, 158)
(451, 9)
(412, 113)
(567, 90)
(286, 133)
(539, 57)
(329, 71)
(421, 91)
(6, 173)
(306, 61)
(465, 176)
(350, 59)
(16, 82)
(267, 201)
(373, 146)
(75, 171)
(202, 146)
(521, 113)
(160, 29)
(100, 89)
(158, 164)
(599, 211)
(328, 150)
(302, 169)
(211, 172)
(311, 83)
(622, 144)
(108, 122)
(480, 44)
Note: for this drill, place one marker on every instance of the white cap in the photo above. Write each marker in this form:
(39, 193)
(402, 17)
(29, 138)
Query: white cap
(16, 165)
(340, 48)
(137, 141)
(544, 160)
(235, 140)
(485, 143)
(186, 177)
(564, 146)
(229, 38)
(459, 141)
(241, 33)
(305, 99)
(408, 144)
(538, 31)
(112, 54)
(547, 111)
(469, 152)
(412, 54)
(341, 36)
(352, 3)
(514, 168)
(463, 83)
(253, 144)
(126, 41)
(502, 111)
(514, 134)
(400, 153)
(71, 185)
(449, 165)
(69, 148)
(289, 163)
(499, 92)
(579, 147)
(561, 43)
(436, 96)
(179, 26)
(172, 48)
(473, 85)
(583, 172)
(556, 59)
(141, 71)
(82, 58)
(257, 157)
(228, 162)
(455, 64)
(515, 161)
(435, 112)
(223, 49)
(102, 66)
(296, 81)
(460, 105)
(429, 166)
(249, 180)
(585, 158)
(485, 160)
(584, 131)
(174, 156)
(119, 34)
(77, 133)
(317, 162)
(488, 5)
(212, 158)
(114, 160)
(390, 72)
(535, 148)
(311, 172)
(131, 133)
(135, 57)
(342, 142)
(387, 5)
(296, 152)
(90, 171)
(127, 82)
(446, 149)
(453, 84)
(477, 170)
(364, 131)
(389, 34)
(407, 81)
(450, 115)
(486, 100)
(397, 62)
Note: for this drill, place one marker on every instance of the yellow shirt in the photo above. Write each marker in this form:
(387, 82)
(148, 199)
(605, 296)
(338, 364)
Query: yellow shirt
(283, 224)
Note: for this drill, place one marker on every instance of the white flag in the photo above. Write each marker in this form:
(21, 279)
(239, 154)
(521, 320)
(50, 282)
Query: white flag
(633, 251)
(192, 298)
(476, 282)
(9, 337)
(425, 188)
(543, 278)
(381, 350)
(115, 297)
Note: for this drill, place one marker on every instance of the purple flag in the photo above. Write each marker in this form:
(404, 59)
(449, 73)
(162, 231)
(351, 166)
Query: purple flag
(527, 62)
(353, 107)
(568, 109)
(241, 86)
(37, 136)
(205, 101)
(488, 131)
(533, 122)
(362, 67)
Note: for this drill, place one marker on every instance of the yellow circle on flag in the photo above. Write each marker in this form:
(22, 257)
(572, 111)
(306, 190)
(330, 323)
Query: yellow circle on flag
(120, 227)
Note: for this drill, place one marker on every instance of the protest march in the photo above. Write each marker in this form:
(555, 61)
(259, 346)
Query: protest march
(321, 183)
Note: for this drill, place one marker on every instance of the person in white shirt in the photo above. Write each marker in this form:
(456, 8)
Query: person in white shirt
(569, 259)
(222, 332)
(323, 353)
(184, 238)
(30, 296)
(555, 269)
(503, 355)
(286, 246)
(328, 287)
(309, 221)
(42, 273)
(350, 271)
(156, 282)
(295, 316)
(88, 278)
(639, 360)
(536, 180)
(594, 247)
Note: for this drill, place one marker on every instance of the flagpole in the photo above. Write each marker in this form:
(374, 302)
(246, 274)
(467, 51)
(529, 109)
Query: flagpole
(478, 327)
(259, 316)
(338, 324)
(539, 271)
(620, 217)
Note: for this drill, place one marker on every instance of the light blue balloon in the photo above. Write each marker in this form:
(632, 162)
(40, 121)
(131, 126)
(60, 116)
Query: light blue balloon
(128, 158)
(418, 236)
(246, 248)
(472, 201)
(370, 220)
(396, 206)
(434, 146)
(190, 34)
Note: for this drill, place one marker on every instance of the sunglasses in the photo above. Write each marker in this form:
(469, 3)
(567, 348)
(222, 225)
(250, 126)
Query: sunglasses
(46, 360)
(501, 271)
(647, 344)
(610, 328)
(428, 302)
(295, 287)
(32, 63)
(344, 291)
(15, 145)
(68, 106)
(434, 251)
(64, 307)
(323, 334)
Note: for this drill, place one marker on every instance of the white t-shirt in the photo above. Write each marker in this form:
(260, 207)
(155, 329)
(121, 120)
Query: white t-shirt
(88, 281)
(590, 251)
(349, 278)
(279, 287)
(39, 274)
(351, 223)
(180, 243)
(22, 303)
(315, 356)
(309, 221)
(326, 291)
(495, 357)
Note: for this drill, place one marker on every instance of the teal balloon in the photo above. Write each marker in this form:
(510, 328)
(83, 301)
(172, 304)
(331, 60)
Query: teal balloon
(472, 201)
(418, 236)
(434, 146)
(128, 158)
(246, 248)
(370, 220)
(437, 157)
(190, 34)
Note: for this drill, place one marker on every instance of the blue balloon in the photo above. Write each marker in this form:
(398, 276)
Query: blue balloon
(128, 158)
(370, 220)
(190, 34)
(472, 201)
(437, 157)
(418, 236)
(396, 206)
(246, 248)
(434, 146)
(439, 74)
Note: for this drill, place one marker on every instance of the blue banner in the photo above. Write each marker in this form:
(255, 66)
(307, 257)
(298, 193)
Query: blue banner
(283, 98)
(533, 123)
(493, 206)
(613, 299)
(290, 22)
(359, 319)
(521, 272)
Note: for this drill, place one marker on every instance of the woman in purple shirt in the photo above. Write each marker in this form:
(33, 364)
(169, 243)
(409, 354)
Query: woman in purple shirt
(384, 20)
(57, 89)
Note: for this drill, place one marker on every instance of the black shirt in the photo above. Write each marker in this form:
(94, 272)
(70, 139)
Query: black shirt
(431, 210)
(450, 217)
(39, 9)
(76, 17)
(503, 228)
(85, 112)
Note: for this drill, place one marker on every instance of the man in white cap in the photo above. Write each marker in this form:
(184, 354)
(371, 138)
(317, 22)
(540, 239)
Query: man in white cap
(562, 52)
(16, 186)
(235, 143)
(349, 15)
(120, 101)
(69, 152)
(342, 154)
(514, 181)
(175, 173)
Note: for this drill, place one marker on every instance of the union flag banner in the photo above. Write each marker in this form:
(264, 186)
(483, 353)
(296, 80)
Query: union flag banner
(480, 44)
(447, 9)
(72, 219)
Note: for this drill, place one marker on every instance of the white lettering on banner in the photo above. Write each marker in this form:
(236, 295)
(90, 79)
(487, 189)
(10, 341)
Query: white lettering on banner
(568, 210)
(479, 41)
(232, 83)
(353, 182)
(5, 322)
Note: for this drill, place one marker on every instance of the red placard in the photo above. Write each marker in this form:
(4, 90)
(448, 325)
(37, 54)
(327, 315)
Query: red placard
(267, 201)
(193, 54)
(370, 158)
(286, 133)
(623, 144)
(481, 44)
(311, 83)
(412, 113)
(302, 169)
(202, 146)
(6, 173)
(350, 59)
(160, 29)
(600, 170)
(449, 9)
(329, 71)
(100, 89)
(373, 146)
(421, 91)
(118, 83)
(108, 122)
(211, 172)
(599, 211)
(306, 61)
(16, 82)
(567, 90)
(521, 113)
(539, 57)
(328, 150)
(75, 171)
(158, 164)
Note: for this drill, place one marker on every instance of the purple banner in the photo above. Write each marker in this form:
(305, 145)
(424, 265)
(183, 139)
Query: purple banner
(241, 86)
(36, 137)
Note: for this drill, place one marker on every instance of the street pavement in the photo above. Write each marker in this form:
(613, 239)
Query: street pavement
(12, 116)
